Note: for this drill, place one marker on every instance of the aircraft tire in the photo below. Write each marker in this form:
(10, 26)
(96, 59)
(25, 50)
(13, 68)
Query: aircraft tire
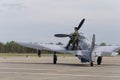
(91, 64)
(99, 60)
(39, 53)
(54, 59)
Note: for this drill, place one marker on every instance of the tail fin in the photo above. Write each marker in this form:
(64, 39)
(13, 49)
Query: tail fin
(93, 42)
(92, 55)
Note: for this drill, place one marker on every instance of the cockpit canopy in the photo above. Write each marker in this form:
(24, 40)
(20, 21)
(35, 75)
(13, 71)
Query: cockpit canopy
(82, 36)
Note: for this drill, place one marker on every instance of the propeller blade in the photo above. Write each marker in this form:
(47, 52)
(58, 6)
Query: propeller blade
(61, 35)
(81, 23)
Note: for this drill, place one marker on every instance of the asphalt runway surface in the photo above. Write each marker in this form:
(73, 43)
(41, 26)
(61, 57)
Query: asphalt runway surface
(67, 68)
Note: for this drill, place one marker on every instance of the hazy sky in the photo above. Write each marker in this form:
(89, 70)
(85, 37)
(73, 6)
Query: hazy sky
(39, 20)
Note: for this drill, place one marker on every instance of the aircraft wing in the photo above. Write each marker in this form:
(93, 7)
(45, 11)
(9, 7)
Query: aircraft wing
(99, 50)
(48, 47)
(106, 50)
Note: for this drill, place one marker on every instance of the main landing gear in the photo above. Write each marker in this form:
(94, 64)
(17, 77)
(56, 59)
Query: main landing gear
(54, 58)
(99, 60)
(91, 64)
(39, 53)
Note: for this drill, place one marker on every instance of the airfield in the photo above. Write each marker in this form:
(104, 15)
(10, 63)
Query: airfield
(67, 68)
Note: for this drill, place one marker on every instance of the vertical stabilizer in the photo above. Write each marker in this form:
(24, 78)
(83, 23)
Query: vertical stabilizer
(93, 42)
(92, 54)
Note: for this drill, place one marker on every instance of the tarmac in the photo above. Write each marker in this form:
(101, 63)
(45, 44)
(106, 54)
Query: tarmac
(67, 68)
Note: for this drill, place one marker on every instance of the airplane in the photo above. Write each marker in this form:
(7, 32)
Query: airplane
(86, 51)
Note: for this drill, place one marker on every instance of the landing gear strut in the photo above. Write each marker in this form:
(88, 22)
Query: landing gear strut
(99, 60)
(54, 58)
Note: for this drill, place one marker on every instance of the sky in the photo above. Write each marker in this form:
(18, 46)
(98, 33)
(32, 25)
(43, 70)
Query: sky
(39, 20)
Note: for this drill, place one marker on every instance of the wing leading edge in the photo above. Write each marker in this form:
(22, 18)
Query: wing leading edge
(48, 47)
(107, 50)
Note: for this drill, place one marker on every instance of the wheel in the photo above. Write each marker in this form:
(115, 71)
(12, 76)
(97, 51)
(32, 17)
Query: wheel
(91, 64)
(99, 60)
(39, 53)
(54, 59)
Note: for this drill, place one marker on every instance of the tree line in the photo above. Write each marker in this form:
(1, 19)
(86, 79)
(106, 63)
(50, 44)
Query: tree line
(12, 47)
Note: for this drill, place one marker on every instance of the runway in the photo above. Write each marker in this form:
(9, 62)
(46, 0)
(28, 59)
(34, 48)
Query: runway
(67, 68)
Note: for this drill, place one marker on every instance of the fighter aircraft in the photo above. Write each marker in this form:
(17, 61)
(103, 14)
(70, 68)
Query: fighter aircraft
(86, 51)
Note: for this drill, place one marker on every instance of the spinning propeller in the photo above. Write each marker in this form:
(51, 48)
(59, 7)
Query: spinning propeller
(68, 35)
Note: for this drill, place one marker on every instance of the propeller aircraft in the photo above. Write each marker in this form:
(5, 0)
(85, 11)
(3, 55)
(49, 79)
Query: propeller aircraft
(86, 51)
